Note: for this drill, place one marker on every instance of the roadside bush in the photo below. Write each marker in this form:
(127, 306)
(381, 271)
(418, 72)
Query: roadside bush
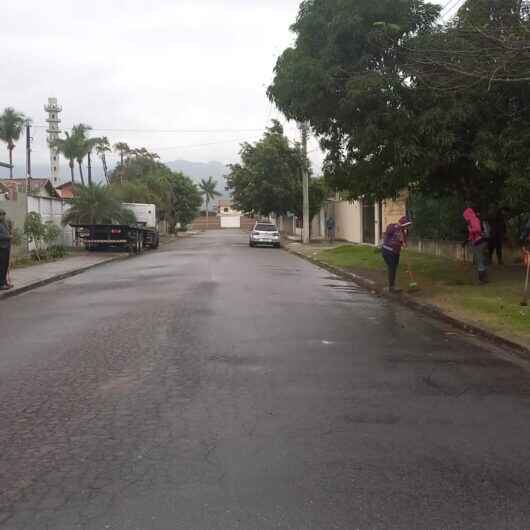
(56, 252)
(439, 218)
(42, 235)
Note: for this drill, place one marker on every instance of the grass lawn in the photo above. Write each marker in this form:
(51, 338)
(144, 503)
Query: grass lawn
(451, 285)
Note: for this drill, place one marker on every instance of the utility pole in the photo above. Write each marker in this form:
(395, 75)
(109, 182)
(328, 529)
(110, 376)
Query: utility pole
(28, 156)
(304, 129)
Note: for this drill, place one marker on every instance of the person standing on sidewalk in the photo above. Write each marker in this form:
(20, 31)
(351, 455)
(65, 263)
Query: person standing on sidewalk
(330, 227)
(394, 240)
(498, 235)
(477, 243)
(5, 251)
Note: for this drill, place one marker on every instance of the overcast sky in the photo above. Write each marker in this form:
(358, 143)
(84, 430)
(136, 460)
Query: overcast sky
(157, 65)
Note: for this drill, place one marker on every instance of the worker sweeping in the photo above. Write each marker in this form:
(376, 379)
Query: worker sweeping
(395, 238)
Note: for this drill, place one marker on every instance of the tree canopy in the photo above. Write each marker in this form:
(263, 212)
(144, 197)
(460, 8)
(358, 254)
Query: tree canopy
(370, 78)
(96, 204)
(268, 179)
(143, 178)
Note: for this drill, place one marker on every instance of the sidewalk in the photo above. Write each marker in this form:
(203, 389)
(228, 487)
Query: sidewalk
(34, 276)
(447, 289)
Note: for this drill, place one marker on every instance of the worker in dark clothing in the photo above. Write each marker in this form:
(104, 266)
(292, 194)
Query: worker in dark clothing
(394, 240)
(5, 251)
(497, 224)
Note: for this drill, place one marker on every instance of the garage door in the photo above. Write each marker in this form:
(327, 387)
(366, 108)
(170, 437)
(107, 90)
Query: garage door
(230, 221)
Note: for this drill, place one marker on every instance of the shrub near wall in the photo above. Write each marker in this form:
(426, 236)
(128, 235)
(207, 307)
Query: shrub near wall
(437, 218)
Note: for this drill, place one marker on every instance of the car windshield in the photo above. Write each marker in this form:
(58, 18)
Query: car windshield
(265, 228)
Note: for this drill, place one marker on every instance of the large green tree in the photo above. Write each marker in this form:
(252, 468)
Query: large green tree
(344, 76)
(136, 163)
(182, 201)
(11, 126)
(268, 179)
(472, 78)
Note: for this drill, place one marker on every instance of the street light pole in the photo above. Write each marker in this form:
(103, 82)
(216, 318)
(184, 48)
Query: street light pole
(304, 129)
(28, 156)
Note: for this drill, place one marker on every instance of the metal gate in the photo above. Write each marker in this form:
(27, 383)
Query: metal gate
(368, 222)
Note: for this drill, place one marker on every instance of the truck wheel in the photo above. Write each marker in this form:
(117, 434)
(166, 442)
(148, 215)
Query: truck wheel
(156, 241)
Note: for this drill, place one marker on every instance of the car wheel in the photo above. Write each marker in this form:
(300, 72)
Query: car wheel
(251, 244)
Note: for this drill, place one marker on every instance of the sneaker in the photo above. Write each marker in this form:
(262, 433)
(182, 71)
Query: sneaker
(5, 287)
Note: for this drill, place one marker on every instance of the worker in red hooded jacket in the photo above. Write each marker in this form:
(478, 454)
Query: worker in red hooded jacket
(478, 243)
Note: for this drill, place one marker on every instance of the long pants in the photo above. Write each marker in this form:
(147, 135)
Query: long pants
(392, 263)
(479, 256)
(495, 246)
(4, 265)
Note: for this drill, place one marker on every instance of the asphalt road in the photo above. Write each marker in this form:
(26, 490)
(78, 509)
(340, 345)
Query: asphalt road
(210, 386)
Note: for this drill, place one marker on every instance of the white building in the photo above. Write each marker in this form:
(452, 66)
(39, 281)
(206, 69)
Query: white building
(228, 215)
(54, 110)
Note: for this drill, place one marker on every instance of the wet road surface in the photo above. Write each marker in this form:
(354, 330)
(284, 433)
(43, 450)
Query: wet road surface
(212, 386)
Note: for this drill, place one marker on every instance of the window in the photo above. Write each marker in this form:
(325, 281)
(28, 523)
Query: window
(226, 210)
(265, 228)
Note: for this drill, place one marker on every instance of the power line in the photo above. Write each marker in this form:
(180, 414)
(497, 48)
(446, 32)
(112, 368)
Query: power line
(95, 129)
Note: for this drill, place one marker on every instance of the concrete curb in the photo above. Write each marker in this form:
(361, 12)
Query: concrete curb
(428, 309)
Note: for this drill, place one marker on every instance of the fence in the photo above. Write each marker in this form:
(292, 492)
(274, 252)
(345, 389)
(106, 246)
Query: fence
(52, 210)
(49, 209)
(451, 249)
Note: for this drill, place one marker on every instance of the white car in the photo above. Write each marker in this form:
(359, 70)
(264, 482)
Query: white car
(264, 234)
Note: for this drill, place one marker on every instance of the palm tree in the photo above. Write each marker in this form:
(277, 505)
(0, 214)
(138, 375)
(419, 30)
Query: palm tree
(69, 147)
(96, 204)
(11, 126)
(90, 144)
(123, 149)
(103, 147)
(84, 146)
(208, 189)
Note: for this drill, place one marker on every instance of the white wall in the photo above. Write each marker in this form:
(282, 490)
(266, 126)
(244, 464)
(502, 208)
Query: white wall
(348, 220)
(52, 210)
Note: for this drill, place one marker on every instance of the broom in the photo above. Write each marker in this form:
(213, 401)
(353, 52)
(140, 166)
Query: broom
(413, 285)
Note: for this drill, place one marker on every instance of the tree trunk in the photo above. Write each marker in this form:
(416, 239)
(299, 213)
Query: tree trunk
(207, 204)
(10, 162)
(81, 173)
(105, 170)
(71, 164)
